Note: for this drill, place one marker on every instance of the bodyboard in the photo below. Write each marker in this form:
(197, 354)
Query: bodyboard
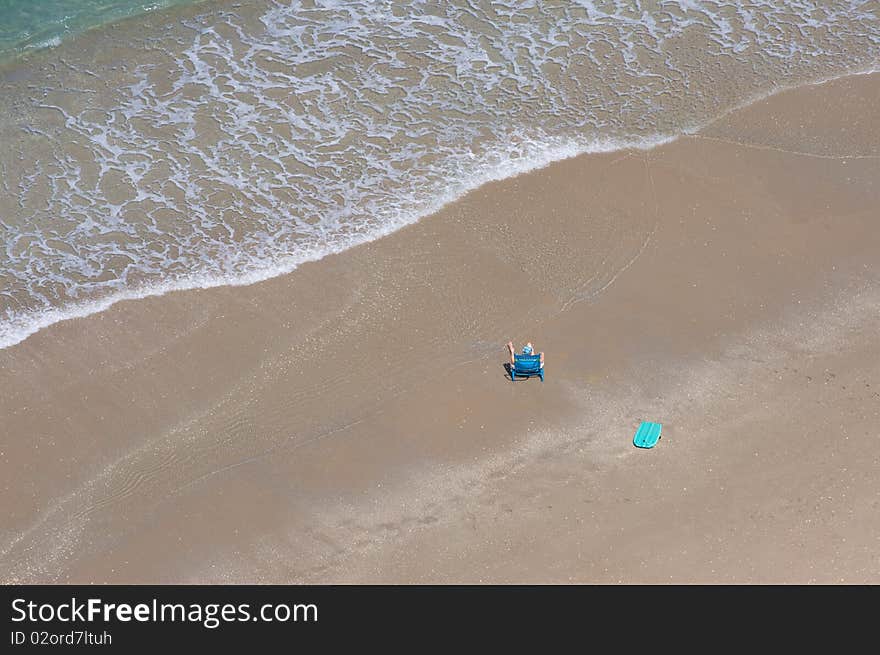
(647, 435)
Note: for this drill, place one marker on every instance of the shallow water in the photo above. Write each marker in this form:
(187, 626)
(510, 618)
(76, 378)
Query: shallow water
(229, 142)
(27, 25)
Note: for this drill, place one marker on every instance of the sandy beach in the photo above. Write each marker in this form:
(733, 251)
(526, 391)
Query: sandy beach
(353, 422)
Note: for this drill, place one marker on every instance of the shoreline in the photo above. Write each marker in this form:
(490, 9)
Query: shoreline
(47, 319)
(351, 421)
(37, 320)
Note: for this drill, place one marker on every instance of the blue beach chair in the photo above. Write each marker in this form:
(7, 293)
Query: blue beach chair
(526, 366)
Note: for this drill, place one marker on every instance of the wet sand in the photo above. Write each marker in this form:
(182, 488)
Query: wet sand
(353, 421)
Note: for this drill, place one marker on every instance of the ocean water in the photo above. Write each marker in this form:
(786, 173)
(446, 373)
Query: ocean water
(229, 142)
(27, 25)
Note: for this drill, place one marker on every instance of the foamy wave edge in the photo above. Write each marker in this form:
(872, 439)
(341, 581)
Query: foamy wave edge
(13, 334)
(27, 325)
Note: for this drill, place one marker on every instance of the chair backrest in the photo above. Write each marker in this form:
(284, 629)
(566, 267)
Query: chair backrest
(527, 363)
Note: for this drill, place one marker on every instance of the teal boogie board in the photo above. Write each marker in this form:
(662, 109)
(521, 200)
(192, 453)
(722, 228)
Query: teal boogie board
(647, 435)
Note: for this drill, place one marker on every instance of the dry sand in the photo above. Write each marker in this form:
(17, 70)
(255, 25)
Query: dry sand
(352, 421)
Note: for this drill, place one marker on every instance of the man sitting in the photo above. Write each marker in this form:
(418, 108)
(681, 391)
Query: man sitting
(528, 349)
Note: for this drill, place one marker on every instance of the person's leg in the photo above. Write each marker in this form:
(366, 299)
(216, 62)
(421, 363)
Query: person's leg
(510, 349)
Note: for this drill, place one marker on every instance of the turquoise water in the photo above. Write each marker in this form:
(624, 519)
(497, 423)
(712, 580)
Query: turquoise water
(35, 24)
